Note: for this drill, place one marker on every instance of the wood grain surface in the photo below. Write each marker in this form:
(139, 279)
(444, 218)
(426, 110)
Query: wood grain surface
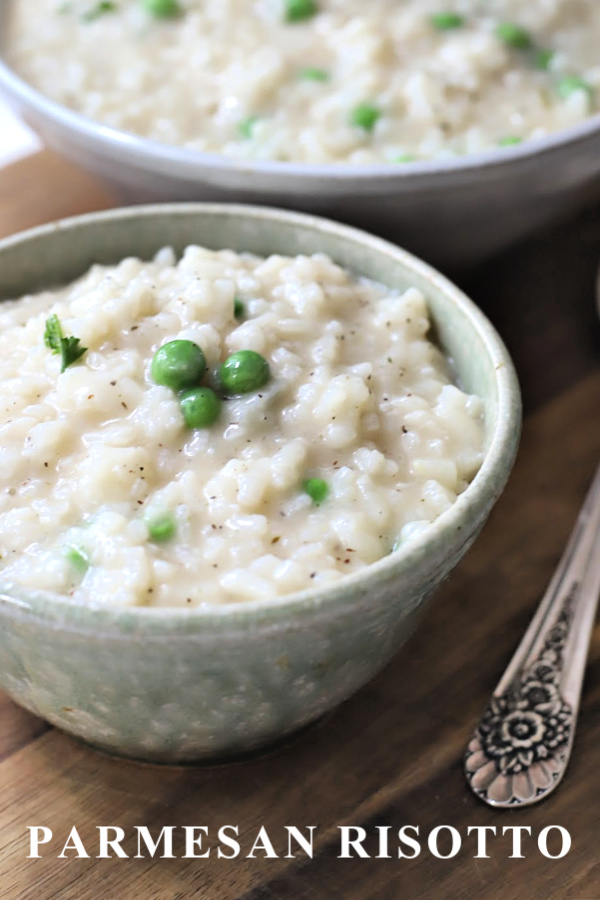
(391, 756)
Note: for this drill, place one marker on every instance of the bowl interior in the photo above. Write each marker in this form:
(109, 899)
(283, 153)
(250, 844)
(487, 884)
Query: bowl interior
(57, 253)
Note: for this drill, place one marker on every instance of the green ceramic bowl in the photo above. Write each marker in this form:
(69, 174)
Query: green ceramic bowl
(177, 685)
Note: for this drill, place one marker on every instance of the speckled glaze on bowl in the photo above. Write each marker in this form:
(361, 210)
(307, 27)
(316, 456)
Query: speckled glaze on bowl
(454, 212)
(176, 685)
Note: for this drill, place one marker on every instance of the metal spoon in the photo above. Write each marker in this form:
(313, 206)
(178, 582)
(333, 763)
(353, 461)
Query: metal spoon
(521, 747)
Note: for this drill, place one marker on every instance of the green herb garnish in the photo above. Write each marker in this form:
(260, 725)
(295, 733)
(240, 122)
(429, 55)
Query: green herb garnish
(53, 334)
(69, 347)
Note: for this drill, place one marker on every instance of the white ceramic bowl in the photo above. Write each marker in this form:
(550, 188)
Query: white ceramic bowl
(454, 212)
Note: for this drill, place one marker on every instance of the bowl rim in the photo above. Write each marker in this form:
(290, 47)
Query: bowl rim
(191, 163)
(480, 493)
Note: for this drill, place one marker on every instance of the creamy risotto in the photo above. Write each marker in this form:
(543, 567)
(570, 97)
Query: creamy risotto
(317, 81)
(220, 428)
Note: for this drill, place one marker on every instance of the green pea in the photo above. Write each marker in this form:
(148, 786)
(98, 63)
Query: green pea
(100, 9)
(445, 21)
(178, 365)
(299, 10)
(243, 372)
(239, 308)
(514, 35)
(200, 407)
(163, 9)
(571, 83)
(365, 116)
(313, 74)
(246, 127)
(543, 59)
(317, 489)
(78, 559)
(510, 141)
(161, 528)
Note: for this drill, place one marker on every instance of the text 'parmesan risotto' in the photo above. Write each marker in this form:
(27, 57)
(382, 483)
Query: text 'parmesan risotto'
(220, 428)
(316, 81)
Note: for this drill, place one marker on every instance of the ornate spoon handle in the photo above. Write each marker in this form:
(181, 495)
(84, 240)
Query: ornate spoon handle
(522, 745)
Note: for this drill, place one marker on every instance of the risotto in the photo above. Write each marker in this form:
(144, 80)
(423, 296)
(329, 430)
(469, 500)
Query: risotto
(220, 428)
(316, 81)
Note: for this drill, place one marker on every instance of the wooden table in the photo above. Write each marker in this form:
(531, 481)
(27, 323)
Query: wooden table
(392, 754)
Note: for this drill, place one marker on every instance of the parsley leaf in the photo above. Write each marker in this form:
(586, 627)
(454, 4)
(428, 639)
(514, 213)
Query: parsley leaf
(70, 351)
(68, 347)
(53, 334)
